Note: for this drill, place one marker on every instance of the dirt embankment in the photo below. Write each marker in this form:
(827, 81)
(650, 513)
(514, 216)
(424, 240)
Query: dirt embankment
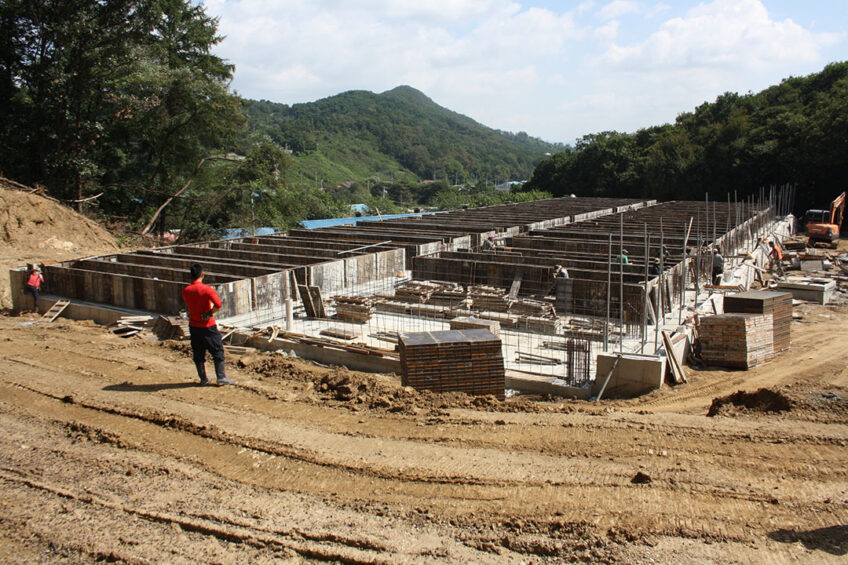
(35, 229)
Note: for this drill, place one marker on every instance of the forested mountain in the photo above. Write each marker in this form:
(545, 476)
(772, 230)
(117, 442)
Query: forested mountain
(792, 133)
(359, 134)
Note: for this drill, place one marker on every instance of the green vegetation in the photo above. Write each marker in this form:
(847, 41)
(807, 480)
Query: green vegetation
(400, 135)
(120, 109)
(794, 132)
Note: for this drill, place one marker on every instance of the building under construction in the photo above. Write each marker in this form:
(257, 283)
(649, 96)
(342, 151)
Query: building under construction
(559, 281)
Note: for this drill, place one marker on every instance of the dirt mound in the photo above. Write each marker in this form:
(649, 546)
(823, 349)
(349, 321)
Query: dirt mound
(35, 229)
(360, 391)
(30, 221)
(764, 400)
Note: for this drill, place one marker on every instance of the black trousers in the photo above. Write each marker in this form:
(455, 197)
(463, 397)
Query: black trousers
(203, 340)
(33, 290)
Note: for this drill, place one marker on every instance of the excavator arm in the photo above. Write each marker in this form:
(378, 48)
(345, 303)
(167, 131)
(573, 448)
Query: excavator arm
(837, 207)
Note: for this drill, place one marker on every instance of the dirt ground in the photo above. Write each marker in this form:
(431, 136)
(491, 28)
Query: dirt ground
(112, 453)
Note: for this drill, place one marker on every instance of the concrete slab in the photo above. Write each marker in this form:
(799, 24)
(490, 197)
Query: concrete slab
(819, 292)
(634, 375)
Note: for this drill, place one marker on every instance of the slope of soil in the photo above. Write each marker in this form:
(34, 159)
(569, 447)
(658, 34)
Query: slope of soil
(111, 453)
(34, 229)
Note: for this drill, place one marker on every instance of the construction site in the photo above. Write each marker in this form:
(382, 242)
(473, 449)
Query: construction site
(568, 380)
(555, 280)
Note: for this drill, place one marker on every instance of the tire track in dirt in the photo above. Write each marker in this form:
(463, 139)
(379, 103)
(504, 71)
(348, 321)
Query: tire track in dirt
(519, 496)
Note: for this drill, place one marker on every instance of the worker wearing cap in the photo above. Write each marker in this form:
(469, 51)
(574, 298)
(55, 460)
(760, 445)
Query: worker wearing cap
(202, 302)
(561, 272)
(489, 243)
(622, 258)
(34, 282)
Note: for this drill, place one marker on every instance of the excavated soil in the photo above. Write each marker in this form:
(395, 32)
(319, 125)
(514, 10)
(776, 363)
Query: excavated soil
(35, 229)
(110, 452)
(763, 400)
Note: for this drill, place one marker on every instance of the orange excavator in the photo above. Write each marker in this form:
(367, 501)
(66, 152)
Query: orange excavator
(823, 225)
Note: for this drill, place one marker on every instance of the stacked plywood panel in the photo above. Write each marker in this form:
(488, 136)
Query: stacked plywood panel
(467, 361)
(528, 307)
(489, 298)
(777, 304)
(416, 291)
(357, 309)
(449, 294)
(737, 340)
(471, 323)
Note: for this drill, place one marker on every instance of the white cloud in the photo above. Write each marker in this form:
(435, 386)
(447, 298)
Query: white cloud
(552, 72)
(618, 8)
(607, 32)
(723, 34)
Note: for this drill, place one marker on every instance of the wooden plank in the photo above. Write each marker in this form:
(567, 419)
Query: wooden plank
(677, 372)
(317, 301)
(306, 298)
(516, 285)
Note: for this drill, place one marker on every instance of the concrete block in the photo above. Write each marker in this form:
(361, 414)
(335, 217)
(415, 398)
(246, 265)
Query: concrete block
(634, 375)
(818, 292)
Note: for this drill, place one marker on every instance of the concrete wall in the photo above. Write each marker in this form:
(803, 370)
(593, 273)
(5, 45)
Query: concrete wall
(634, 375)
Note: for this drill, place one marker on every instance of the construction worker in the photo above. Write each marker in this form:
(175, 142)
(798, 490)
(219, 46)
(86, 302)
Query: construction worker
(489, 243)
(776, 258)
(202, 302)
(622, 258)
(718, 266)
(561, 272)
(34, 282)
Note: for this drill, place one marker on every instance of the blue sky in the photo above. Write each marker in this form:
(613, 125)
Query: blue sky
(557, 70)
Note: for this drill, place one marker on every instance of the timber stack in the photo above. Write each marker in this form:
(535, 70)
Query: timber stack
(776, 304)
(468, 361)
(735, 340)
(357, 309)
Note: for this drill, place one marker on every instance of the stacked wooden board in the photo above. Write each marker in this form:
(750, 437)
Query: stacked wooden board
(468, 361)
(777, 304)
(489, 298)
(449, 294)
(737, 340)
(471, 323)
(357, 309)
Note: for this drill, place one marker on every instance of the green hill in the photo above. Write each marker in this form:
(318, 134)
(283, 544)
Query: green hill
(400, 134)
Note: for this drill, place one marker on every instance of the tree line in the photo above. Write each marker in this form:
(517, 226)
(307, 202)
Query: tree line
(121, 107)
(795, 132)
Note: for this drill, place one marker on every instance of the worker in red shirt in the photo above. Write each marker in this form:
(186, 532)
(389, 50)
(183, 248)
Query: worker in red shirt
(34, 282)
(202, 302)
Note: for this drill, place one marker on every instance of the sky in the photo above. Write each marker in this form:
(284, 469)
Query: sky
(555, 70)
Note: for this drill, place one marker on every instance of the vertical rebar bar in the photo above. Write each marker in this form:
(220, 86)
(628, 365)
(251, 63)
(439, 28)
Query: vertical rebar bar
(660, 312)
(621, 283)
(609, 290)
(645, 302)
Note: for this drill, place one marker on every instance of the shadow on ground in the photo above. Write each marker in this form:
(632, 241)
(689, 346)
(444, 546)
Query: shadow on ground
(833, 539)
(155, 387)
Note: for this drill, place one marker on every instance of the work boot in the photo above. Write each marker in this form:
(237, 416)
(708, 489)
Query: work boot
(225, 381)
(201, 373)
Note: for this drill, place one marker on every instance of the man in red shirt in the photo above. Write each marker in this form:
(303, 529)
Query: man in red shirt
(34, 282)
(202, 302)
